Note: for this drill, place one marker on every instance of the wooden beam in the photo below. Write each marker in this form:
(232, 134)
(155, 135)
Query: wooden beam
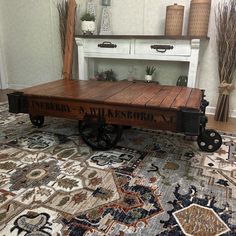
(68, 57)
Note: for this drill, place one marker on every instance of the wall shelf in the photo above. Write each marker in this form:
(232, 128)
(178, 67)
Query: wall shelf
(184, 37)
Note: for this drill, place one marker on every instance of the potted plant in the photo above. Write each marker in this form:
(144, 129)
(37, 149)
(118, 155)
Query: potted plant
(149, 72)
(88, 23)
(182, 81)
(108, 75)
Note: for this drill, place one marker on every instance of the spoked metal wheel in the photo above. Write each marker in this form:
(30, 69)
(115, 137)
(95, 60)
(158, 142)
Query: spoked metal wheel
(37, 120)
(209, 140)
(99, 135)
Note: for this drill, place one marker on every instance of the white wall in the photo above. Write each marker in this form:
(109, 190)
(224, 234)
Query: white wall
(30, 42)
(3, 70)
(32, 48)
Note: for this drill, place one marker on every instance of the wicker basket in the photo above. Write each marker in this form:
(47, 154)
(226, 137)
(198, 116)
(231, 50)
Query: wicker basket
(199, 18)
(174, 20)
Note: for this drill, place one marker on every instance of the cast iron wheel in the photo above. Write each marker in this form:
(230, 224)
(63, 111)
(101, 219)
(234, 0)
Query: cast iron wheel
(99, 135)
(209, 140)
(37, 120)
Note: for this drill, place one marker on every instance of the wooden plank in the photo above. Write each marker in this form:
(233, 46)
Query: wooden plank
(56, 88)
(182, 99)
(78, 89)
(67, 90)
(113, 114)
(96, 91)
(114, 89)
(84, 90)
(194, 101)
(159, 97)
(148, 93)
(168, 101)
(43, 87)
(138, 94)
(68, 57)
(74, 90)
(128, 95)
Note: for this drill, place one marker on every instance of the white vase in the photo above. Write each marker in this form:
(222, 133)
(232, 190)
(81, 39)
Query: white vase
(88, 26)
(148, 78)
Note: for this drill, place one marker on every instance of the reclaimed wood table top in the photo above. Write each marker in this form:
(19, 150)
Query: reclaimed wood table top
(139, 94)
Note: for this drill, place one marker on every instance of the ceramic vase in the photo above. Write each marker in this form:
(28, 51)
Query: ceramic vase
(88, 27)
(148, 78)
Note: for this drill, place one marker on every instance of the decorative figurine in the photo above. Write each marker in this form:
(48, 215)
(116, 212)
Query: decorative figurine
(106, 28)
(92, 10)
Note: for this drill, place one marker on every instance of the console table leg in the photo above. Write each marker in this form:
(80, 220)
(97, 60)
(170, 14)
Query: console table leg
(193, 64)
(82, 61)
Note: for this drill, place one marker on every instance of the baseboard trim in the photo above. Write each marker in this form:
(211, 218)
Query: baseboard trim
(18, 86)
(3, 68)
(212, 110)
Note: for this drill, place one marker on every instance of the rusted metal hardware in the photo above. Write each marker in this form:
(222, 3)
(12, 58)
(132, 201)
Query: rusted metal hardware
(17, 102)
(162, 48)
(107, 44)
(190, 122)
(204, 119)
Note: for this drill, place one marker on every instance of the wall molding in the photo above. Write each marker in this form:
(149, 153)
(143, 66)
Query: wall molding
(52, 27)
(3, 68)
(212, 110)
(18, 86)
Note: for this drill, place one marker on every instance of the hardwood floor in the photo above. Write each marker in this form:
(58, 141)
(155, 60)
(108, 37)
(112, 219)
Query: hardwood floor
(229, 126)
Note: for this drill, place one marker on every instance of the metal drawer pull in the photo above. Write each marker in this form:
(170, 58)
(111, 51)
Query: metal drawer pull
(162, 48)
(107, 45)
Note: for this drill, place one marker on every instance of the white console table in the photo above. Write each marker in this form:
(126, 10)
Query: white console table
(138, 47)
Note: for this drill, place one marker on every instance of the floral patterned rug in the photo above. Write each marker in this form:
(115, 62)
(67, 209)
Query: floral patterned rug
(152, 183)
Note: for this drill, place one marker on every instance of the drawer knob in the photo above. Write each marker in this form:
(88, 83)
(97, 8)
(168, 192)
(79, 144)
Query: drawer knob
(107, 45)
(162, 48)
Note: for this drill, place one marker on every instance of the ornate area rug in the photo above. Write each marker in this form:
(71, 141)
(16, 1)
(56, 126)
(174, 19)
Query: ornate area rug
(152, 183)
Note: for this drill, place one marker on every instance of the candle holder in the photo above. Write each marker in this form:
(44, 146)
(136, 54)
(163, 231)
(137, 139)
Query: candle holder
(106, 28)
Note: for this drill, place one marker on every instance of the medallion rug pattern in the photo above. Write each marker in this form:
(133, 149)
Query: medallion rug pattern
(151, 183)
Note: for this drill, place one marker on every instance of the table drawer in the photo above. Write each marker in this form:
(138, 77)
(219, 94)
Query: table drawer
(111, 46)
(163, 47)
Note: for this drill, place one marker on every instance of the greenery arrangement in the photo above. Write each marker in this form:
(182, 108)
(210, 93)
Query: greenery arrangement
(108, 75)
(150, 70)
(182, 81)
(226, 47)
(62, 8)
(88, 17)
